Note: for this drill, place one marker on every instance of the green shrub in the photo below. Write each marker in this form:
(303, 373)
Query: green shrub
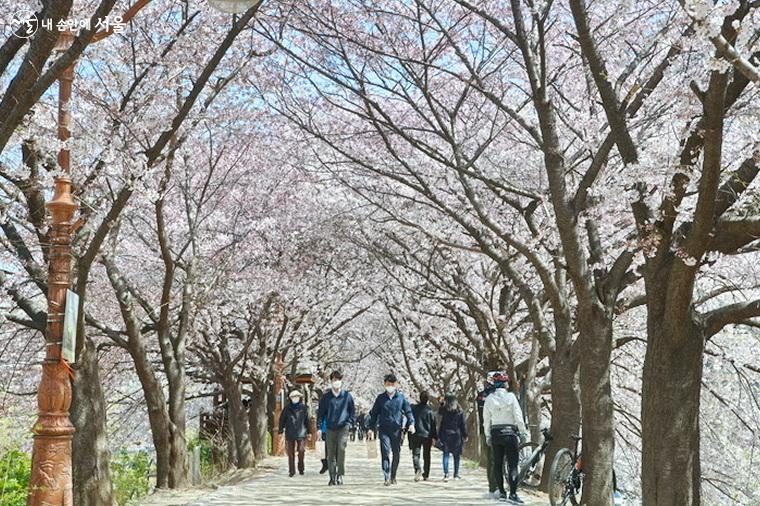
(130, 474)
(15, 469)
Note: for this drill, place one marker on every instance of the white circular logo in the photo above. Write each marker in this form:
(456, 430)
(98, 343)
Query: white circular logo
(24, 24)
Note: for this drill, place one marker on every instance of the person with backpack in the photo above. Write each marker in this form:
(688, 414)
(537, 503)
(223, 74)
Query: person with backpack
(452, 433)
(294, 422)
(424, 435)
(503, 425)
(336, 409)
(390, 414)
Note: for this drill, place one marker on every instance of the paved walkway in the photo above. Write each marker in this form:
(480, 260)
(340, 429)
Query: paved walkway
(363, 484)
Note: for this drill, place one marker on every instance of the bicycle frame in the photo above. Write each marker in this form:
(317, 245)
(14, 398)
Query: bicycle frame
(535, 456)
(575, 480)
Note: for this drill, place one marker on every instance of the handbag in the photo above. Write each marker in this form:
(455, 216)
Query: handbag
(371, 449)
(439, 444)
(322, 449)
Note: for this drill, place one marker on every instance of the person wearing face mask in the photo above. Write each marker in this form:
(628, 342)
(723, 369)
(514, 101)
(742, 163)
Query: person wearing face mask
(390, 414)
(294, 421)
(336, 410)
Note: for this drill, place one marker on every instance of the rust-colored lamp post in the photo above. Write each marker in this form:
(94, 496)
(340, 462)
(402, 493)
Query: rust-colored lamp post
(51, 455)
(278, 442)
(51, 478)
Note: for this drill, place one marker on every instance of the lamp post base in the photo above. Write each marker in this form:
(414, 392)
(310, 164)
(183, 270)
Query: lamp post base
(51, 482)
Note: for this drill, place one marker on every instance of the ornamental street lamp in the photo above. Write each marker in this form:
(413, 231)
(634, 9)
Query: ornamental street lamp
(51, 478)
(50, 483)
(233, 6)
(278, 442)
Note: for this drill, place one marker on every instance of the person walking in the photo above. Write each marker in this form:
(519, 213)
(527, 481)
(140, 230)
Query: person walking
(294, 422)
(336, 408)
(452, 433)
(352, 432)
(485, 450)
(390, 414)
(424, 434)
(503, 424)
(360, 421)
(323, 439)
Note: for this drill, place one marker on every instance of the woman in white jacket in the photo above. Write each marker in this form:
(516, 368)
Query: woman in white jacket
(503, 423)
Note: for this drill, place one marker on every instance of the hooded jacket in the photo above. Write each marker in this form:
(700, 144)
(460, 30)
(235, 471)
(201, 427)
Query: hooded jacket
(501, 408)
(294, 421)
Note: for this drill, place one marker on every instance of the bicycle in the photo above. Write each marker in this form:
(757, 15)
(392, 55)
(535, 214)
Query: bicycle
(566, 476)
(530, 456)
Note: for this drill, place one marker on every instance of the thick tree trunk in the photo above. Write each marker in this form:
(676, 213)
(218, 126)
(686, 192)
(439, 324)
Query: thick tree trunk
(158, 415)
(239, 425)
(596, 404)
(257, 412)
(91, 457)
(178, 471)
(672, 382)
(471, 449)
(566, 409)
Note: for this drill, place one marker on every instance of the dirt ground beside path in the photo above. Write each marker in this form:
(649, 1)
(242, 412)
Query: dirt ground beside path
(271, 485)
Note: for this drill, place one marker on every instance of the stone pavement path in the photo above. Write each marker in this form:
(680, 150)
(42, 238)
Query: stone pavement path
(363, 485)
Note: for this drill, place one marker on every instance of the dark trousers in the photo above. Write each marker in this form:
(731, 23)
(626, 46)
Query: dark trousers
(422, 446)
(390, 443)
(296, 445)
(506, 448)
(487, 452)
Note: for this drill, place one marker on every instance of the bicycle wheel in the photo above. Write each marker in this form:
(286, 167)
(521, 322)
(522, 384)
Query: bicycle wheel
(527, 474)
(559, 477)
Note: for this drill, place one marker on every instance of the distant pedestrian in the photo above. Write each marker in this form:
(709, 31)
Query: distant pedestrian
(503, 424)
(423, 438)
(360, 425)
(452, 433)
(336, 408)
(323, 442)
(485, 450)
(352, 432)
(390, 414)
(294, 421)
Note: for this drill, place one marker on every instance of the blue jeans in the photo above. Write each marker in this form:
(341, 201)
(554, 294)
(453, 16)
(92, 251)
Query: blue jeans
(390, 443)
(457, 456)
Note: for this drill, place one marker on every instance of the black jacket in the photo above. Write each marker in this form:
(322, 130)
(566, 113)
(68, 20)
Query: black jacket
(424, 421)
(294, 420)
(481, 400)
(453, 430)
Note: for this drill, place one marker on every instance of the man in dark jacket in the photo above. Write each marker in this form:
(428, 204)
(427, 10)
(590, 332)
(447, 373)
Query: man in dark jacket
(336, 408)
(423, 437)
(388, 413)
(294, 421)
(484, 448)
